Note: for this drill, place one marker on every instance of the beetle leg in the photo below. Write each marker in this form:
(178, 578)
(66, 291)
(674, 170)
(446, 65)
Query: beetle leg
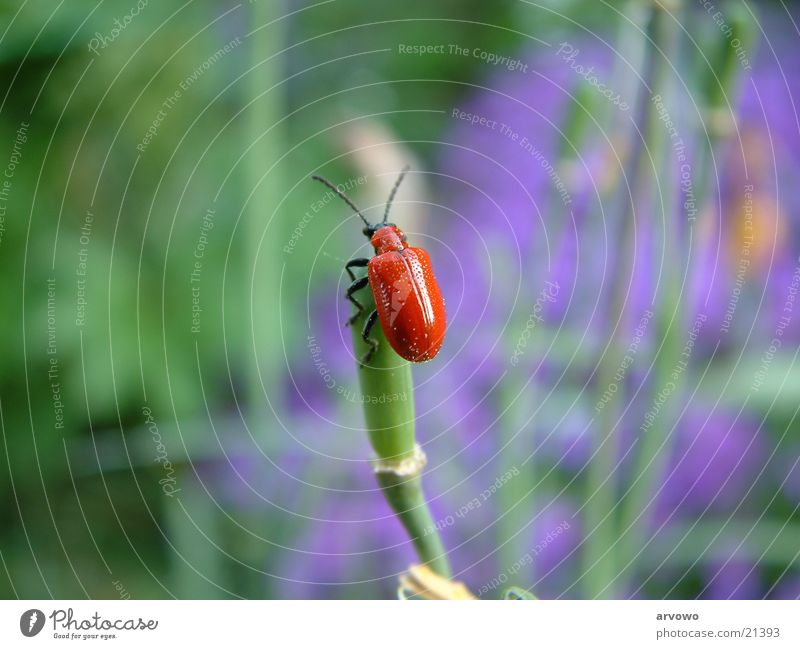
(373, 344)
(356, 286)
(360, 262)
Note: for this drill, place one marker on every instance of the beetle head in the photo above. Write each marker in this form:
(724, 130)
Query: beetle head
(387, 238)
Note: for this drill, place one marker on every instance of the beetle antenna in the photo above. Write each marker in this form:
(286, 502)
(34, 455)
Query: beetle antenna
(343, 196)
(393, 192)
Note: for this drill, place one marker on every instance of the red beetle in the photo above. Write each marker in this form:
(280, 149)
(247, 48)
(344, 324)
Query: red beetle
(408, 300)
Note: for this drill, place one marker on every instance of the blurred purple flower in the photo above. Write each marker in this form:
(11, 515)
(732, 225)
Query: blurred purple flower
(556, 538)
(714, 461)
(789, 471)
(787, 588)
(732, 579)
(351, 541)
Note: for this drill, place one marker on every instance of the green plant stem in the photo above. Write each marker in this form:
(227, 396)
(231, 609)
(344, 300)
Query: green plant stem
(652, 458)
(653, 446)
(406, 498)
(196, 566)
(388, 398)
(264, 99)
(600, 555)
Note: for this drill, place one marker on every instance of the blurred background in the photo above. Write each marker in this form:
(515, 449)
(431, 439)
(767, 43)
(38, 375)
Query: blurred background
(608, 194)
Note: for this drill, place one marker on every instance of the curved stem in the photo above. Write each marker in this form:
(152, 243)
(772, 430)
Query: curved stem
(388, 399)
(404, 494)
